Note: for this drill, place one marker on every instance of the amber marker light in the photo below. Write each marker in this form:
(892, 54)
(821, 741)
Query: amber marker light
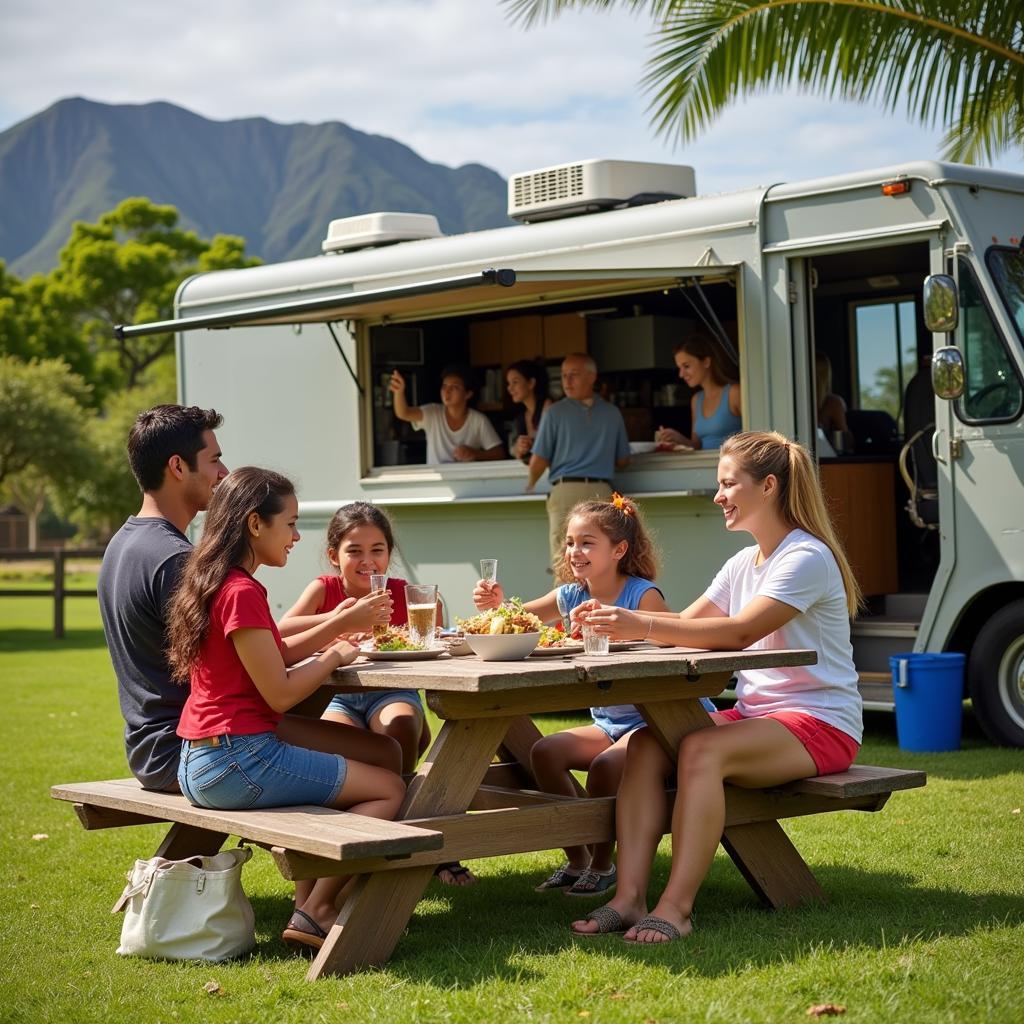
(895, 188)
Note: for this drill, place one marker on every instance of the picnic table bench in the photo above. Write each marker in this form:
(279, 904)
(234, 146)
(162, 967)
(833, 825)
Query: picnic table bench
(465, 804)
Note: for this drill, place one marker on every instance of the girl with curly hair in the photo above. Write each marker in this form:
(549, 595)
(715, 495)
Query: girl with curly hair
(608, 559)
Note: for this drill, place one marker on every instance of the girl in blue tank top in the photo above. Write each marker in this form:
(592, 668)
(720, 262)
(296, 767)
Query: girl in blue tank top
(701, 368)
(608, 557)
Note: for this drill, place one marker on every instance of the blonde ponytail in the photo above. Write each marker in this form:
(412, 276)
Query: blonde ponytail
(801, 501)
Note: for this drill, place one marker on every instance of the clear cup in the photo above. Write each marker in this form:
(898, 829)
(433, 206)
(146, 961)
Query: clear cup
(378, 582)
(421, 604)
(489, 570)
(595, 643)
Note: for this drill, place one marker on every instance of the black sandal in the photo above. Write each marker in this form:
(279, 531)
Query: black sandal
(304, 933)
(454, 868)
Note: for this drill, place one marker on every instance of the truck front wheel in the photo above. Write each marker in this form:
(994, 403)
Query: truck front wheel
(995, 676)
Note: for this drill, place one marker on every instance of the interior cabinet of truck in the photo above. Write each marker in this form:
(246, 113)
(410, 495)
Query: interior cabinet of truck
(862, 498)
(502, 342)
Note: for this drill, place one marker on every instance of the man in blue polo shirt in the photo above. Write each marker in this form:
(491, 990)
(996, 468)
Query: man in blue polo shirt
(581, 442)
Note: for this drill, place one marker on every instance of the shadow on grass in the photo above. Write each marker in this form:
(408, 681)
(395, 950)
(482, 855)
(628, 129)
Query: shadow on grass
(42, 641)
(485, 932)
(965, 763)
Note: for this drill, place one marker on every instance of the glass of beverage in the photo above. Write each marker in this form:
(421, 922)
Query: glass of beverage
(421, 602)
(489, 570)
(378, 582)
(594, 643)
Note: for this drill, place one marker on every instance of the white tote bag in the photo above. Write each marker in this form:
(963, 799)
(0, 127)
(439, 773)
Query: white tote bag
(192, 909)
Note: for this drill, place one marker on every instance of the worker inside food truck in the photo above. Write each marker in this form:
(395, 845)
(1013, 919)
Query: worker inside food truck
(631, 337)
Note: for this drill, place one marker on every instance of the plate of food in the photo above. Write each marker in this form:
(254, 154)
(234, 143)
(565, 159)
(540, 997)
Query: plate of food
(455, 643)
(394, 645)
(559, 651)
(556, 643)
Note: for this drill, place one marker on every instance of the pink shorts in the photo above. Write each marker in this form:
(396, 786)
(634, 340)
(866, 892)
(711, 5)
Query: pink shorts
(830, 748)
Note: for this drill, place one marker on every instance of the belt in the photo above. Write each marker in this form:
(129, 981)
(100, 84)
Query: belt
(206, 741)
(580, 480)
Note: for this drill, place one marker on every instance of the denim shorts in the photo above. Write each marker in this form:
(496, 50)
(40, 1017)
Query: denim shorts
(259, 771)
(616, 721)
(361, 707)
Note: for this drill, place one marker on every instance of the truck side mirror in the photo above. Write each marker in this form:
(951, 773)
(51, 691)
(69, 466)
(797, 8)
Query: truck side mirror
(941, 308)
(948, 372)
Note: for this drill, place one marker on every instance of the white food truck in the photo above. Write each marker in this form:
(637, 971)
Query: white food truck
(884, 272)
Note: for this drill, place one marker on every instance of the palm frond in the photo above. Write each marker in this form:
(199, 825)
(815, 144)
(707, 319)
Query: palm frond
(957, 63)
(969, 143)
(533, 12)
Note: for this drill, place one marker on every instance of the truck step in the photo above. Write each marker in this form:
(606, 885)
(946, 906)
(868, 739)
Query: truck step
(876, 690)
(885, 626)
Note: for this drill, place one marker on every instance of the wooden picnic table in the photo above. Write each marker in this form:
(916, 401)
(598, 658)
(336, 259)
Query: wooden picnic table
(465, 803)
(485, 707)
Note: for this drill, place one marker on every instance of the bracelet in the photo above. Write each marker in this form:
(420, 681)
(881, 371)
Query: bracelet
(650, 626)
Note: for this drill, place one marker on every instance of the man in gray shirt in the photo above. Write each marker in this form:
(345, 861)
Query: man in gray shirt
(581, 442)
(176, 460)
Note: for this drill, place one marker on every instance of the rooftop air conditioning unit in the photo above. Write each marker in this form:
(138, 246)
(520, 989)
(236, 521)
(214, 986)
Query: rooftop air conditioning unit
(591, 185)
(379, 229)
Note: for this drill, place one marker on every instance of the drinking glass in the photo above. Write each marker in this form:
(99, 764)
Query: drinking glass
(594, 643)
(378, 582)
(421, 602)
(563, 612)
(489, 570)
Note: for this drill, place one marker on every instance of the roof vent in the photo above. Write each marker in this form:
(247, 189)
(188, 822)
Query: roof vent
(369, 229)
(590, 185)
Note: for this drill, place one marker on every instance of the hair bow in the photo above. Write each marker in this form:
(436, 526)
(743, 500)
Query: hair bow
(624, 505)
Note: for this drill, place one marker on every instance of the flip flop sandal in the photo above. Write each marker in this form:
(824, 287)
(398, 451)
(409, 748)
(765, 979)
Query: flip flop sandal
(591, 882)
(650, 923)
(454, 868)
(608, 920)
(304, 933)
(561, 879)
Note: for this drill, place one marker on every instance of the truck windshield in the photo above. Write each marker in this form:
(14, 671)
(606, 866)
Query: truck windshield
(1007, 269)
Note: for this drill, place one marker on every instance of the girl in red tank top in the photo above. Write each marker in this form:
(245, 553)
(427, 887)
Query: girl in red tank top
(360, 540)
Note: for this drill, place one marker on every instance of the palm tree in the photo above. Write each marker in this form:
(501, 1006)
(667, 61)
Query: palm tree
(959, 63)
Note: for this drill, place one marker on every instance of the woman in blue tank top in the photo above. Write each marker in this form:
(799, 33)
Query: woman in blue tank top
(715, 405)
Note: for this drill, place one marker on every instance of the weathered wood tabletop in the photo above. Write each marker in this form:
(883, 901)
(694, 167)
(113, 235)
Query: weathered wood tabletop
(485, 707)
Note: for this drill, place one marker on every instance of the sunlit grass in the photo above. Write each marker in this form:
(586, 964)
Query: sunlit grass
(925, 920)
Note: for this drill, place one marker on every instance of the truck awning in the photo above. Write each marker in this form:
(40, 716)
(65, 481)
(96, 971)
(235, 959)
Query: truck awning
(339, 306)
(490, 288)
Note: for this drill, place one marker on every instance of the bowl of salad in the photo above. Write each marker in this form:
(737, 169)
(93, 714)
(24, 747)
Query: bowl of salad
(505, 633)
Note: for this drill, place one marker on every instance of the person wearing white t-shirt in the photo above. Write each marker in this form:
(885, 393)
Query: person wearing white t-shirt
(792, 589)
(455, 433)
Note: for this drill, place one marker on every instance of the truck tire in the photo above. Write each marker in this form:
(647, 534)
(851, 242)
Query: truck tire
(995, 676)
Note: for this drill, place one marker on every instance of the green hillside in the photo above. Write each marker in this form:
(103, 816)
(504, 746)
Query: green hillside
(276, 185)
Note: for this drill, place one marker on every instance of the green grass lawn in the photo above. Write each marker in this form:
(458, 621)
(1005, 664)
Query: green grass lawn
(925, 919)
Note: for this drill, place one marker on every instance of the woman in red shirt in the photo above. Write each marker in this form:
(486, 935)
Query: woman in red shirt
(223, 639)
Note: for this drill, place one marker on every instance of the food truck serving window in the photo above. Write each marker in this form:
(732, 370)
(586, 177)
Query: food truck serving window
(631, 328)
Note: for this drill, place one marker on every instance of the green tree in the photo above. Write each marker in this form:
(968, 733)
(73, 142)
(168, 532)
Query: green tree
(43, 447)
(102, 502)
(125, 269)
(32, 328)
(12, 333)
(955, 62)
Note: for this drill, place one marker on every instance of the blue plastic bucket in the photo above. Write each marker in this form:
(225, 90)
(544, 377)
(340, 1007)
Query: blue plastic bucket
(929, 692)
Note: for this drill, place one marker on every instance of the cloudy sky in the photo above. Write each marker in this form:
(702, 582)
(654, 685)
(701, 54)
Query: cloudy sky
(454, 79)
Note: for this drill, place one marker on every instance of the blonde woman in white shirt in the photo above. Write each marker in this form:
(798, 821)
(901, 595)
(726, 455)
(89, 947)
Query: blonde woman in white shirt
(793, 588)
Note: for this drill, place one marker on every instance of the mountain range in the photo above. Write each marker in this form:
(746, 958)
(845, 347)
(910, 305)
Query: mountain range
(276, 185)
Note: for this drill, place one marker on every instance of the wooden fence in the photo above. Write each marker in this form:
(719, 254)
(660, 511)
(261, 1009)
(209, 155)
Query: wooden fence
(59, 591)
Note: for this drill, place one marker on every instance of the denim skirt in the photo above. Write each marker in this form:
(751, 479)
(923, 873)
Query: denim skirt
(258, 771)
